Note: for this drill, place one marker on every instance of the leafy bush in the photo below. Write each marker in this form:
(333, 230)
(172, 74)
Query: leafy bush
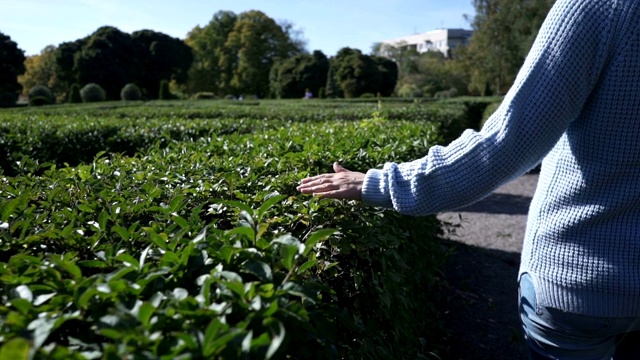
(409, 91)
(474, 108)
(131, 92)
(488, 111)
(229, 97)
(74, 94)
(58, 135)
(39, 101)
(367, 96)
(202, 249)
(165, 92)
(40, 95)
(92, 93)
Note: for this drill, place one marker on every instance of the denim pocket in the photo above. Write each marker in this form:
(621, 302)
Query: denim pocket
(574, 324)
(560, 321)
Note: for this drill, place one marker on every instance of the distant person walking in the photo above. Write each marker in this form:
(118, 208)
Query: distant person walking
(575, 105)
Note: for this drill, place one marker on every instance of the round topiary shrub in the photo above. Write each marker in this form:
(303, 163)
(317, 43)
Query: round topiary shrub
(92, 93)
(40, 95)
(74, 94)
(39, 101)
(131, 92)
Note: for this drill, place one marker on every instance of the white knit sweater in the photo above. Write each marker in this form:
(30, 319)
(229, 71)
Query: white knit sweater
(575, 105)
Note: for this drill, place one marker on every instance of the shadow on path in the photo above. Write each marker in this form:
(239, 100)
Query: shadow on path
(480, 298)
(480, 304)
(498, 203)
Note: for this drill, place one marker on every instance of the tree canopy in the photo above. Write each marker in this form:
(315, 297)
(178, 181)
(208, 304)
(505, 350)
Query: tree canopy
(293, 77)
(503, 32)
(234, 53)
(40, 70)
(113, 58)
(162, 58)
(11, 66)
(354, 73)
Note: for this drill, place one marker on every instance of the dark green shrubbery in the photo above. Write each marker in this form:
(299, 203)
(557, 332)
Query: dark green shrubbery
(165, 92)
(93, 93)
(410, 91)
(131, 92)
(74, 94)
(204, 250)
(8, 99)
(40, 95)
(39, 101)
(475, 108)
(488, 111)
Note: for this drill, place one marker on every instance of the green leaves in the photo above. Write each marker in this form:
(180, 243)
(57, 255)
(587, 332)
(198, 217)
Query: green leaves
(17, 348)
(200, 246)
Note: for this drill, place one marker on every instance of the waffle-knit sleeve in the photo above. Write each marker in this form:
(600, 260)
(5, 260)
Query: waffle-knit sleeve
(559, 73)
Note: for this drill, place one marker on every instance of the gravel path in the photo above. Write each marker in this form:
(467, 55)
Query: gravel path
(480, 302)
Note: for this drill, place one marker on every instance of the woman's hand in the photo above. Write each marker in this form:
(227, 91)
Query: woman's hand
(343, 184)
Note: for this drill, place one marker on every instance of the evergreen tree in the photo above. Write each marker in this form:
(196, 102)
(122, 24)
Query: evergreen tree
(11, 66)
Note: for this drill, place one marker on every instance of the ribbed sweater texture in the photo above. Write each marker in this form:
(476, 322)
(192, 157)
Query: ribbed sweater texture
(575, 106)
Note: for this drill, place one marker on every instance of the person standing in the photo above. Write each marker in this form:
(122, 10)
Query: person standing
(575, 106)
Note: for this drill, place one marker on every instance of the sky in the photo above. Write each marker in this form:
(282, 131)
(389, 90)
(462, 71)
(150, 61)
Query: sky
(326, 25)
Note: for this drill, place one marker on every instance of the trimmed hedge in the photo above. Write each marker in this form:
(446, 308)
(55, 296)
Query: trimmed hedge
(204, 249)
(131, 92)
(92, 93)
(40, 95)
(74, 94)
(61, 135)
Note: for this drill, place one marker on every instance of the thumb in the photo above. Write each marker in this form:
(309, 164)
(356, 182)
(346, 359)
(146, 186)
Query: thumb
(338, 168)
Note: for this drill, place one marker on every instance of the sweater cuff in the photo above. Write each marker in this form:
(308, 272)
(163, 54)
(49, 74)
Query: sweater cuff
(375, 191)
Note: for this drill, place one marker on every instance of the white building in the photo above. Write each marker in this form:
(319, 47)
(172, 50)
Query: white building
(442, 40)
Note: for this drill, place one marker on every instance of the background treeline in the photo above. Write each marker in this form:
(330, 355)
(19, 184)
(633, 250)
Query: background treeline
(251, 55)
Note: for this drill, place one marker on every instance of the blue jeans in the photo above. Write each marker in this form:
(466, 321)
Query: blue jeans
(553, 334)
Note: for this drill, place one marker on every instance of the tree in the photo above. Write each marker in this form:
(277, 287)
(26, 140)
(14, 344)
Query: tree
(64, 58)
(389, 75)
(40, 70)
(113, 58)
(11, 66)
(504, 31)
(233, 54)
(426, 74)
(208, 46)
(290, 78)
(110, 58)
(162, 57)
(254, 45)
(356, 74)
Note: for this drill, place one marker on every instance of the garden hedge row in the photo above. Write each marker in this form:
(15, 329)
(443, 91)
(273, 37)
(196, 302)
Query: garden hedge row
(72, 134)
(199, 246)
